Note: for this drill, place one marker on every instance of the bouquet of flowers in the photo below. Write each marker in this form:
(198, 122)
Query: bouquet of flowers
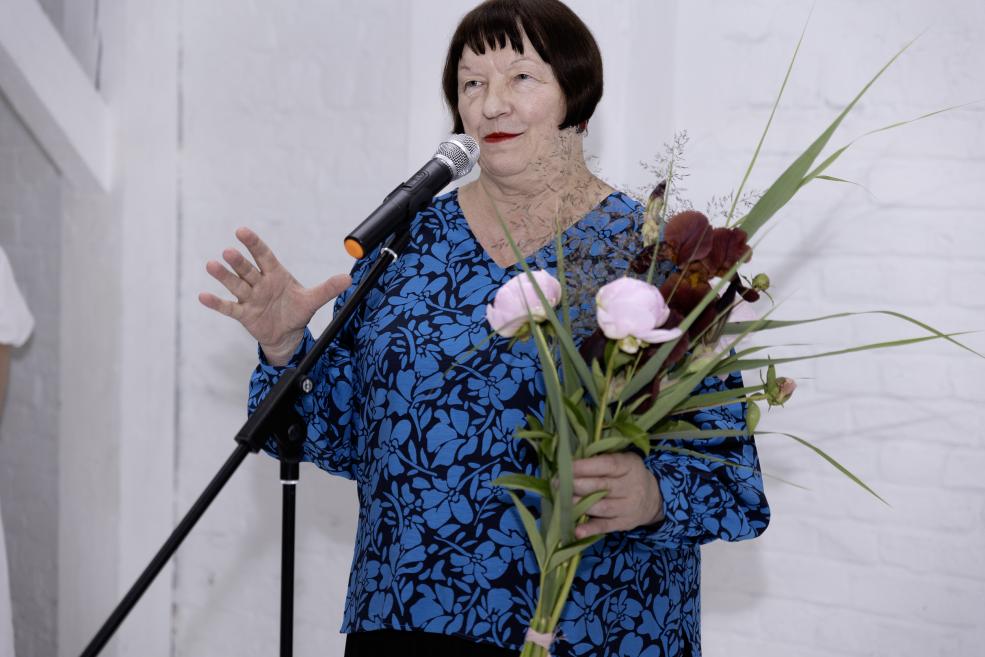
(675, 318)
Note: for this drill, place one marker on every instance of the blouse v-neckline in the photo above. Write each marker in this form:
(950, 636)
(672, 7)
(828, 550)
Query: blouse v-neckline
(481, 249)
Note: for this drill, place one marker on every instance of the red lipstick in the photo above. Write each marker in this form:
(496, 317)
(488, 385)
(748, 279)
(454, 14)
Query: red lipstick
(496, 137)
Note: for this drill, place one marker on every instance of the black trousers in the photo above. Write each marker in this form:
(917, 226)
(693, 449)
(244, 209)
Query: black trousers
(383, 643)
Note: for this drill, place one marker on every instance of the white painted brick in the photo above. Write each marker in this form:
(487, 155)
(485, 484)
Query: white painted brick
(912, 462)
(809, 579)
(933, 508)
(737, 613)
(927, 554)
(957, 605)
(715, 644)
(965, 468)
(966, 287)
(862, 280)
(792, 621)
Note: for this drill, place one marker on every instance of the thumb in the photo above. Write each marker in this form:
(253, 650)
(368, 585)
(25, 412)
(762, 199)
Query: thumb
(333, 287)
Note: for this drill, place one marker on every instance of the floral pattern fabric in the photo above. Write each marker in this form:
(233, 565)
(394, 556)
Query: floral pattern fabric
(418, 406)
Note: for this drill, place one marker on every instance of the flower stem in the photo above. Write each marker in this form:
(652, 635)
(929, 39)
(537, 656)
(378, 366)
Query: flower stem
(603, 400)
(569, 577)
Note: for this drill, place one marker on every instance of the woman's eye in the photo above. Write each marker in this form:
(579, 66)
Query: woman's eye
(524, 76)
(470, 84)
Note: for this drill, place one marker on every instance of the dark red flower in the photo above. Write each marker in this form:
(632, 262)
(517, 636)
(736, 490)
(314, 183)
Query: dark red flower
(683, 294)
(641, 263)
(687, 238)
(593, 348)
(728, 246)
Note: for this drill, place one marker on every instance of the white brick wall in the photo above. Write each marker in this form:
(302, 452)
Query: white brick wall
(838, 573)
(296, 118)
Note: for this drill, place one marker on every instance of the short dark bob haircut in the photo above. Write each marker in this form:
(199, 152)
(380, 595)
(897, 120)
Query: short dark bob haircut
(561, 39)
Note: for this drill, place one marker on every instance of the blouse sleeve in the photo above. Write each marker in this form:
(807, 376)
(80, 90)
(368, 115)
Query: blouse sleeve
(720, 497)
(16, 321)
(327, 410)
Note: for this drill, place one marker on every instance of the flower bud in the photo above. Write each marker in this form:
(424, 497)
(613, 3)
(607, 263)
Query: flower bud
(761, 282)
(752, 416)
(780, 391)
(787, 386)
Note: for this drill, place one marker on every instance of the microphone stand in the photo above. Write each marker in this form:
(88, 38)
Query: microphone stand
(275, 416)
(290, 449)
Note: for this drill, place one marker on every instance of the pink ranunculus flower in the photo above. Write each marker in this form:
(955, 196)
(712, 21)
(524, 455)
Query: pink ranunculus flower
(632, 311)
(508, 312)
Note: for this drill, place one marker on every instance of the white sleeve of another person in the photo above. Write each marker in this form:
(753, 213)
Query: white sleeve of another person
(16, 324)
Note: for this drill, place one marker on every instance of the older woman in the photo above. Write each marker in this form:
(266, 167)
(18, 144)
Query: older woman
(441, 565)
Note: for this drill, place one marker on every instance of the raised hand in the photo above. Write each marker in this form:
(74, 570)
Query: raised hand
(270, 303)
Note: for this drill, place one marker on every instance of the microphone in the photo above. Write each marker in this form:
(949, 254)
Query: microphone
(453, 159)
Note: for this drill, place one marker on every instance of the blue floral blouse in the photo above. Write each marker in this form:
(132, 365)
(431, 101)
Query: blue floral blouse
(440, 549)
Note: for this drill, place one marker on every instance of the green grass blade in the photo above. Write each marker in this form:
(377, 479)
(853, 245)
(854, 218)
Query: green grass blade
(765, 325)
(644, 376)
(671, 396)
(846, 182)
(713, 399)
(568, 374)
(564, 336)
(524, 482)
(734, 464)
(697, 434)
(829, 459)
(757, 363)
(769, 122)
(784, 188)
(816, 173)
(563, 451)
(569, 551)
(585, 503)
(605, 445)
(533, 532)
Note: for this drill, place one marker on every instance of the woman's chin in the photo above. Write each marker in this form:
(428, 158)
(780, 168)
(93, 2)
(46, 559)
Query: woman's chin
(501, 169)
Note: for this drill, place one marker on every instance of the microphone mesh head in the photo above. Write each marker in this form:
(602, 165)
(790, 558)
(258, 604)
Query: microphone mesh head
(462, 151)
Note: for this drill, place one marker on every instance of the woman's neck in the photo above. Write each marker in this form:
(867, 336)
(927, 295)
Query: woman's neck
(531, 202)
(557, 189)
(533, 207)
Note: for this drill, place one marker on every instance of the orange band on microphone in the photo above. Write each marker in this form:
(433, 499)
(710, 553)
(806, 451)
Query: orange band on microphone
(354, 248)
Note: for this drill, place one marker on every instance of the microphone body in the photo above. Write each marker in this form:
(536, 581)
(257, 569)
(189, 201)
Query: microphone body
(454, 159)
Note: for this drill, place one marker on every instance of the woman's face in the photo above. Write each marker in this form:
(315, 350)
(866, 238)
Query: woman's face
(513, 105)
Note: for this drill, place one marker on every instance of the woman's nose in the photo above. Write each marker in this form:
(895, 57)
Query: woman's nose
(496, 103)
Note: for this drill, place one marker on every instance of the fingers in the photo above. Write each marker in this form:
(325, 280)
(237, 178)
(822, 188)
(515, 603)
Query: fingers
(607, 515)
(236, 285)
(243, 267)
(331, 288)
(227, 308)
(583, 486)
(604, 465)
(261, 253)
(597, 526)
(604, 508)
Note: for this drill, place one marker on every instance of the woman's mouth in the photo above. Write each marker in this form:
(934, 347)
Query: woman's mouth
(496, 137)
